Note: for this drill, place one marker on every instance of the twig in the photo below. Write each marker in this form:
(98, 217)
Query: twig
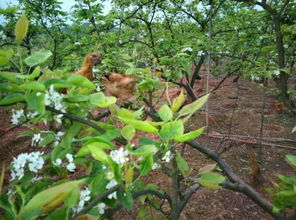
(96, 200)
(84, 121)
(253, 142)
(261, 126)
(102, 115)
(274, 139)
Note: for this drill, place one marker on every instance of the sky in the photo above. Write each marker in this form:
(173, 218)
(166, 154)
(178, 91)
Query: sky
(67, 4)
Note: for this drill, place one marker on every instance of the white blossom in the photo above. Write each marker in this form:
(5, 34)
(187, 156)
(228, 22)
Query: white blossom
(58, 162)
(109, 186)
(77, 43)
(54, 99)
(110, 175)
(36, 139)
(17, 116)
(200, 53)
(69, 157)
(31, 115)
(160, 40)
(36, 179)
(155, 166)
(34, 160)
(84, 197)
(187, 49)
(276, 72)
(255, 78)
(120, 156)
(58, 138)
(101, 207)
(167, 157)
(58, 118)
(71, 167)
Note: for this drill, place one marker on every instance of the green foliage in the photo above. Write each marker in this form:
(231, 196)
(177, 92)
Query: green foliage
(156, 44)
(284, 193)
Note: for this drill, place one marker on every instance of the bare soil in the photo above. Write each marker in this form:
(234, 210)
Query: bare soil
(234, 126)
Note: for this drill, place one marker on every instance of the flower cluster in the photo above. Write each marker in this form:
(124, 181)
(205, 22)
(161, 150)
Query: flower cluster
(109, 186)
(84, 197)
(71, 166)
(54, 99)
(17, 116)
(36, 139)
(120, 156)
(34, 160)
(58, 138)
(101, 207)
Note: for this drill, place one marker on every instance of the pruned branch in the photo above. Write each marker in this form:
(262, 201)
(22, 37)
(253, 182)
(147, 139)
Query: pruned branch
(237, 183)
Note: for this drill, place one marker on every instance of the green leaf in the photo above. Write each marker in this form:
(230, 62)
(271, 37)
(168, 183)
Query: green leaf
(84, 150)
(77, 98)
(21, 28)
(189, 136)
(144, 150)
(35, 102)
(100, 100)
(146, 165)
(128, 132)
(139, 125)
(211, 180)
(98, 184)
(12, 98)
(291, 159)
(33, 75)
(52, 197)
(73, 198)
(38, 57)
(294, 129)
(181, 163)
(165, 113)
(5, 56)
(2, 177)
(126, 199)
(171, 130)
(125, 113)
(34, 85)
(99, 154)
(9, 76)
(177, 103)
(47, 139)
(58, 83)
(208, 168)
(81, 81)
(194, 106)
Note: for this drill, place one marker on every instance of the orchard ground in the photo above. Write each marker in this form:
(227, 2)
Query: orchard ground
(235, 113)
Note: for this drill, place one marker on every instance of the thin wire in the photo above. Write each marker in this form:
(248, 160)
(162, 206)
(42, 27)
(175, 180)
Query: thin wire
(208, 73)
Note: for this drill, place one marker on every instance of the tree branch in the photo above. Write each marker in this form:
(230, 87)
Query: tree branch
(96, 200)
(75, 118)
(238, 184)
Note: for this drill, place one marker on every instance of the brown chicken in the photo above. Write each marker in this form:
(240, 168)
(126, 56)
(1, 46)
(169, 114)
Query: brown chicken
(119, 85)
(90, 60)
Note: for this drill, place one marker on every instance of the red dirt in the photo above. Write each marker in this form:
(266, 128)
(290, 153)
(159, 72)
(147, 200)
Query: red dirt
(238, 105)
